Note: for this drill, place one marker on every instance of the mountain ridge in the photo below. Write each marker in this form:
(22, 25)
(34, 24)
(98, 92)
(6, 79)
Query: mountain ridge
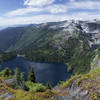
(65, 28)
(61, 41)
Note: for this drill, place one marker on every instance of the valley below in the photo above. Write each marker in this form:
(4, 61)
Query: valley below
(51, 61)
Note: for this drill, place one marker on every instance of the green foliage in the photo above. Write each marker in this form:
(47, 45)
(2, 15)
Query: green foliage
(22, 76)
(94, 73)
(8, 56)
(0, 58)
(19, 94)
(81, 62)
(36, 91)
(82, 78)
(35, 87)
(69, 82)
(48, 45)
(75, 52)
(7, 73)
(17, 74)
(93, 96)
(31, 76)
(48, 86)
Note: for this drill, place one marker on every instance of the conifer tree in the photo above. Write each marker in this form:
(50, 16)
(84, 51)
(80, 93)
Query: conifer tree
(22, 76)
(31, 76)
(48, 85)
(17, 74)
(7, 72)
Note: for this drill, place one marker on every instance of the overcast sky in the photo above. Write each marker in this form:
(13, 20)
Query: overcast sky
(14, 12)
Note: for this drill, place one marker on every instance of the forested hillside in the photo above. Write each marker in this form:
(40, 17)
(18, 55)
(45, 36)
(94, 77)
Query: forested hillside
(69, 42)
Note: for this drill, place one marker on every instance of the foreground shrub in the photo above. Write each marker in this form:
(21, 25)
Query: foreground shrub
(69, 82)
(6, 73)
(35, 87)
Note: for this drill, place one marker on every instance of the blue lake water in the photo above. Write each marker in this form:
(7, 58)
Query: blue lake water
(44, 72)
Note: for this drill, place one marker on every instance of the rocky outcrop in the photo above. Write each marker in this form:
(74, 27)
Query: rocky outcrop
(85, 87)
(96, 60)
(6, 96)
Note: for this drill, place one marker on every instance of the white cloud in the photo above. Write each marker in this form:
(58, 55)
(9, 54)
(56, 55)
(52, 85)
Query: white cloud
(23, 11)
(53, 9)
(72, 0)
(46, 18)
(32, 19)
(84, 5)
(38, 2)
(57, 12)
(57, 9)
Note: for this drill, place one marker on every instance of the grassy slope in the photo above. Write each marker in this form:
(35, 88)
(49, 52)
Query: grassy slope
(87, 82)
(24, 95)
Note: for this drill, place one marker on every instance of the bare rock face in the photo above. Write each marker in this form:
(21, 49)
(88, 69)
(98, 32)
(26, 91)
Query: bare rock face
(65, 98)
(14, 83)
(6, 96)
(74, 94)
(67, 29)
